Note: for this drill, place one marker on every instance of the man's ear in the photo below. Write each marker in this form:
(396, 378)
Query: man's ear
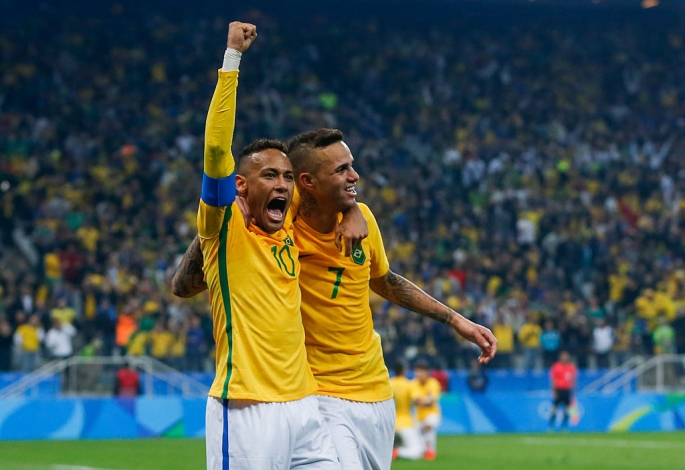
(241, 185)
(306, 181)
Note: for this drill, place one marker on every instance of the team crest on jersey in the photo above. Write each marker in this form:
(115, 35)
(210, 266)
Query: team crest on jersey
(288, 241)
(358, 256)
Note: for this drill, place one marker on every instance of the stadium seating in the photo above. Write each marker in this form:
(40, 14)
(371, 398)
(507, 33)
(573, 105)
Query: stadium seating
(523, 169)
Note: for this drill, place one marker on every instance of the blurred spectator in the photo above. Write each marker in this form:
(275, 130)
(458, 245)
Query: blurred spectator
(602, 342)
(27, 299)
(6, 345)
(28, 337)
(575, 336)
(529, 337)
(594, 310)
(664, 337)
(63, 312)
(195, 346)
(106, 325)
(550, 342)
(58, 339)
(477, 380)
(161, 340)
(126, 327)
(127, 382)
(177, 350)
(534, 165)
(138, 343)
(505, 343)
(622, 344)
(679, 330)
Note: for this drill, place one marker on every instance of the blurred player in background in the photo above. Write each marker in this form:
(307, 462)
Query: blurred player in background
(427, 401)
(563, 375)
(260, 412)
(406, 431)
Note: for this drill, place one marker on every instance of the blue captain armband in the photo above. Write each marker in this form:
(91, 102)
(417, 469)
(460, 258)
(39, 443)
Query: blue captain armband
(218, 192)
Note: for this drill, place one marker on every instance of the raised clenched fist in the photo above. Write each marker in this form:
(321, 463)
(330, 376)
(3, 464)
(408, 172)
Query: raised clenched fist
(241, 35)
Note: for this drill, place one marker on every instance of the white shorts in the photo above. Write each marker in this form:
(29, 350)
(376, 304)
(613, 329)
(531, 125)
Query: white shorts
(411, 445)
(363, 433)
(431, 421)
(249, 435)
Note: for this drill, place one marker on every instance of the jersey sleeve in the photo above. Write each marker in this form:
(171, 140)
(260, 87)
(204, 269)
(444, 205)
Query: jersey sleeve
(413, 391)
(436, 389)
(295, 204)
(379, 260)
(218, 180)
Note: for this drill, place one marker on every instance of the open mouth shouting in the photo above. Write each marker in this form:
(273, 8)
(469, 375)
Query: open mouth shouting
(352, 190)
(276, 209)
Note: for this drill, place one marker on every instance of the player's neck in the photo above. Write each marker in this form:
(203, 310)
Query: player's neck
(313, 215)
(322, 223)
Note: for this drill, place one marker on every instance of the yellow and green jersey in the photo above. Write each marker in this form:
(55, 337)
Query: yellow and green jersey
(343, 349)
(252, 278)
(430, 388)
(161, 342)
(404, 394)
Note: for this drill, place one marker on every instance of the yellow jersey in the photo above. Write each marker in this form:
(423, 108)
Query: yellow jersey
(404, 394)
(65, 315)
(529, 335)
(30, 337)
(430, 388)
(252, 278)
(161, 342)
(178, 346)
(137, 344)
(343, 349)
(505, 337)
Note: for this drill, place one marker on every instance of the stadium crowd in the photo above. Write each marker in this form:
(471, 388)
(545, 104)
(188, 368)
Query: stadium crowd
(525, 173)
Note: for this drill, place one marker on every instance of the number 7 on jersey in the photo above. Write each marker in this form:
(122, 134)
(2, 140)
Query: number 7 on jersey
(338, 279)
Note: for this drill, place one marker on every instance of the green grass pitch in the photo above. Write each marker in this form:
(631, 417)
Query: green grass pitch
(648, 451)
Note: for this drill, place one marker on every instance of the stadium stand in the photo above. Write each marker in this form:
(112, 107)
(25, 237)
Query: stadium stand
(522, 170)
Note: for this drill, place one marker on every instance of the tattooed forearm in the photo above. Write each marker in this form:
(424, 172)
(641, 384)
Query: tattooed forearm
(400, 291)
(189, 278)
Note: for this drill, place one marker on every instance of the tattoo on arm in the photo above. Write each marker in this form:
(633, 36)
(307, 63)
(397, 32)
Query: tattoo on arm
(400, 291)
(189, 278)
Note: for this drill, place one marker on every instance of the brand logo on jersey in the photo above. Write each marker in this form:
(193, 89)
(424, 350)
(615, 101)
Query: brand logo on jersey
(358, 256)
(288, 241)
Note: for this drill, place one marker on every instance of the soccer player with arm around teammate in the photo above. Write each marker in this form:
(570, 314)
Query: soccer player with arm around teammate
(260, 412)
(410, 441)
(427, 401)
(343, 349)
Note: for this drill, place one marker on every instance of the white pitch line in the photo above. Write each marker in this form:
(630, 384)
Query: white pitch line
(54, 467)
(621, 443)
(76, 467)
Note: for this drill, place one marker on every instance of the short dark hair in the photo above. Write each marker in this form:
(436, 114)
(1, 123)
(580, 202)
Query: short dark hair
(422, 364)
(302, 148)
(398, 368)
(257, 146)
